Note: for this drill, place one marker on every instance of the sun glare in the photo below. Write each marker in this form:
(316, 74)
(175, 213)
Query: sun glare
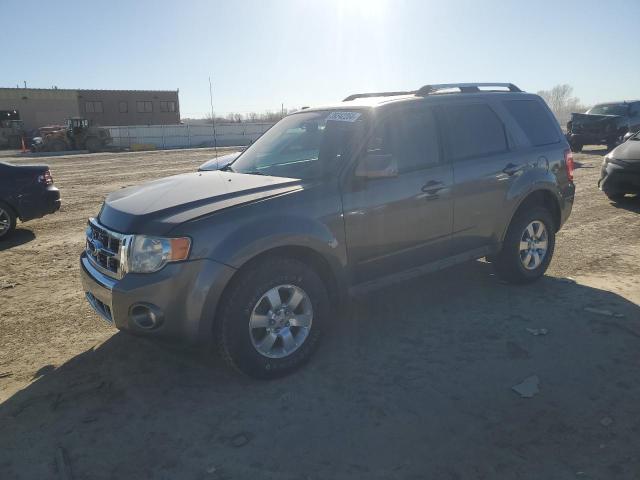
(370, 9)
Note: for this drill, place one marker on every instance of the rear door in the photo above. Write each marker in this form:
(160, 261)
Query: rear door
(484, 167)
(393, 224)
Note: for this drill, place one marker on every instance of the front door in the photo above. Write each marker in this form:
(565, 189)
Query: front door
(393, 224)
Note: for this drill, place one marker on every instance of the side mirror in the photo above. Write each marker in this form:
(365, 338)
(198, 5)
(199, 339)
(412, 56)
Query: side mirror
(377, 166)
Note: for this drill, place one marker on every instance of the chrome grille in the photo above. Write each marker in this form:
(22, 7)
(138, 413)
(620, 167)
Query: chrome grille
(104, 248)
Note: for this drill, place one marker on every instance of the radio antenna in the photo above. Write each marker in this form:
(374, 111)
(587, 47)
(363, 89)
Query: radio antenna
(213, 118)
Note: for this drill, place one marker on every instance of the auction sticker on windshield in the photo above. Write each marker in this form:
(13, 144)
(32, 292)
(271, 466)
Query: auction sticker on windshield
(343, 116)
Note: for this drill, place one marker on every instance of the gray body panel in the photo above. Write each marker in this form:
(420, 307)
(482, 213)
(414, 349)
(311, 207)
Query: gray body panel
(369, 231)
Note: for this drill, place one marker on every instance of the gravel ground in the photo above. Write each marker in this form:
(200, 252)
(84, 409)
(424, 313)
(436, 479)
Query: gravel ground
(414, 382)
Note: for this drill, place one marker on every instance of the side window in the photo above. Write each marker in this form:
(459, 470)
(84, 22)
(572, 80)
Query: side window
(144, 106)
(534, 121)
(473, 130)
(410, 136)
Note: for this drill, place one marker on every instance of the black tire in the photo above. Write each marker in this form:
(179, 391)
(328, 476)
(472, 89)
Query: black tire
(576, 147)
(615, 197)
(92, 144)
(6, 215)
(508, 263)
(231, 328)
(55, 146)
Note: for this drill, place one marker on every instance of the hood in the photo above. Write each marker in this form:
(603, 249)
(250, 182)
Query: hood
(629, 151)
(218, 162)
(156, 207)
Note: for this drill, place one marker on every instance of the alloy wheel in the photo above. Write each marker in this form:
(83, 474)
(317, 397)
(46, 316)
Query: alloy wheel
(280, 321)
(533, 245)
(5, 222)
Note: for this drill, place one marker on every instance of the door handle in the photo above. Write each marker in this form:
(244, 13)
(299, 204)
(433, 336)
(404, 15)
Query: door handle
(431, 188)
(511, 169)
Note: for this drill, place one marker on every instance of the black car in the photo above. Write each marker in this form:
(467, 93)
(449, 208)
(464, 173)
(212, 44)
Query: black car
(26, 192)
(621, 170)
(603, 124)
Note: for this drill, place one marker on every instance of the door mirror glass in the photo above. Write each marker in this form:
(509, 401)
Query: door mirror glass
(377, 166)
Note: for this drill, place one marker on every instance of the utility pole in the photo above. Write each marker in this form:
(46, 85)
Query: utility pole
(213, 119)
(282, 111)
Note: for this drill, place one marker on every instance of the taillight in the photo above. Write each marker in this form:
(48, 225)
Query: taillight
(568, 160)
(46, 178)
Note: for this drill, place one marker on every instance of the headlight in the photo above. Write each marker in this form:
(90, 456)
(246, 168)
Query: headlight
(150, 254)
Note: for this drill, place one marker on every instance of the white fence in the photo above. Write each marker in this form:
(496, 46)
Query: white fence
(187, 136)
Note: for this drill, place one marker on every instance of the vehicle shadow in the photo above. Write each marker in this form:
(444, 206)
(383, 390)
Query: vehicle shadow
(20, 236)
(594, 150)
(628, 203)
(403, 383)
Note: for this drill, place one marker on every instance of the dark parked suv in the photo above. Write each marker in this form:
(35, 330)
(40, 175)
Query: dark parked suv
(331, 201)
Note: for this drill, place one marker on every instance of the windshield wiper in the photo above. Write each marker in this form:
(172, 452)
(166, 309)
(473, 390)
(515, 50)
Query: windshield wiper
(255, 172)
(227, 168)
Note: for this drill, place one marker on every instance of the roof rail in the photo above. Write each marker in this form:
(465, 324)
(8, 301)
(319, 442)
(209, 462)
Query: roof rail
(376, 94)
(464, 87)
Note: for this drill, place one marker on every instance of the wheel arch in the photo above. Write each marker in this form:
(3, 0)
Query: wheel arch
(11, 206)
(330, 275)
(541, 197)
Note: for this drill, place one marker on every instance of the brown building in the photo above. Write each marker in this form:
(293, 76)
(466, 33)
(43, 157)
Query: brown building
(39, 107)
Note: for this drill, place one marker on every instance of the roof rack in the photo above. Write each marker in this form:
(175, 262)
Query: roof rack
(464, 87)
(376, 94)
(435, 88)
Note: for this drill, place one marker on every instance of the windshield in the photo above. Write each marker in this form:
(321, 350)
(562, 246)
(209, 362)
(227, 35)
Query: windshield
(303, 145)
(610, 109)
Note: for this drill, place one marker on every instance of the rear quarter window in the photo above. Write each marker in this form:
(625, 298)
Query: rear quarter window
(534, 120)
(473, 130)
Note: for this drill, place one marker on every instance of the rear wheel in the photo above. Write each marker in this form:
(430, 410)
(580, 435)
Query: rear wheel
(92, 144)
(7, 220)
(528, 246)
(272, 318)
(55, 146)
(576, 147)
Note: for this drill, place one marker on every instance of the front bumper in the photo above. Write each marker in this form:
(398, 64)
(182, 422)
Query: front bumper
(185, 296)
(617, 178)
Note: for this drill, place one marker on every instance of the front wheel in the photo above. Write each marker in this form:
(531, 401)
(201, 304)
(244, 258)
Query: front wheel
(272, 318)
(528, 246)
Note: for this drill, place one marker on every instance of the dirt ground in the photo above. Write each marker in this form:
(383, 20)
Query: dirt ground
(415, 382)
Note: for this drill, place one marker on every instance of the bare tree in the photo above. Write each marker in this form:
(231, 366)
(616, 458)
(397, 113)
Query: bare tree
(562, 102)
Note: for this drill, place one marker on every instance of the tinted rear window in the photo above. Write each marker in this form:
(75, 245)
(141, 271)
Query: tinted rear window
(534, 120)
(474, 131)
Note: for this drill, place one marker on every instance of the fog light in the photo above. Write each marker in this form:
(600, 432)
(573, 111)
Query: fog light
(145, 316)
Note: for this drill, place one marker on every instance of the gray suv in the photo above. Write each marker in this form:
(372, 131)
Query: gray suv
(331, 201)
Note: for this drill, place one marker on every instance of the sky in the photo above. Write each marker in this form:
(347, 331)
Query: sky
(263, 54)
